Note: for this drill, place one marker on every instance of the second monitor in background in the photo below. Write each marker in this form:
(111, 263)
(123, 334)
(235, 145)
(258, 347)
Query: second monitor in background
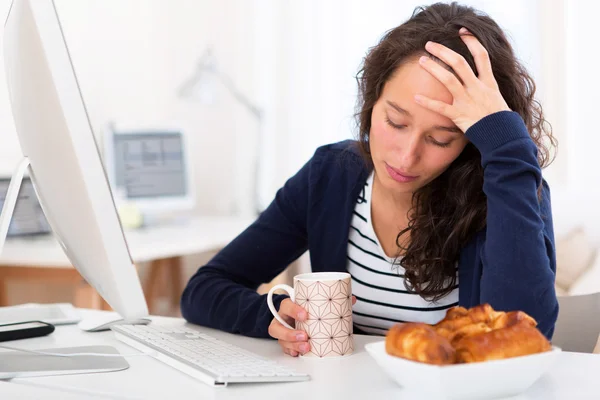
(28, 218)
(150, 172)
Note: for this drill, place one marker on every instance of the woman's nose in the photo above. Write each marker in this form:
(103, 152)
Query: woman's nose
(411, 150)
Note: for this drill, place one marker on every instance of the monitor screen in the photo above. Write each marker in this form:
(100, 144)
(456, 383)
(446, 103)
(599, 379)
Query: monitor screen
(150, 164)
(28, 217)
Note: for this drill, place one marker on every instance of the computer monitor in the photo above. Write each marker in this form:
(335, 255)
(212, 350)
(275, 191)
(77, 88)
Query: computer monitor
(28, 218)
(150, 168)
(65, 167)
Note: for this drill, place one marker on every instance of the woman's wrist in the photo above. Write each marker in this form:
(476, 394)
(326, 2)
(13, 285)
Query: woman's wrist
(497, 129)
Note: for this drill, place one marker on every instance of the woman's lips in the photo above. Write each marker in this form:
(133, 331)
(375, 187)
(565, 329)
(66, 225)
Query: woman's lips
(399, 176)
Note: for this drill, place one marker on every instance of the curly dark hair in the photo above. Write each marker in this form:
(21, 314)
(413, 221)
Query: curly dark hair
(448, 211)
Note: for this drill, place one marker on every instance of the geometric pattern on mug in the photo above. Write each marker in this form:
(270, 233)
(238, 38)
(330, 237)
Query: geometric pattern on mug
(333, 309)
(339, 346)
(324, 300)
(326, 328)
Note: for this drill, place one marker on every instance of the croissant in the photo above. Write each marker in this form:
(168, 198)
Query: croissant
(468, 331)
(512, 318)
(484, 313)
(456, 312)
(468, 335)
(457, 329)
(419, 342)
(460, 322)
(516, 340)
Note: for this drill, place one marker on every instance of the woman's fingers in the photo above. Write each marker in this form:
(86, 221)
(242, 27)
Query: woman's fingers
(437, 106)
(290, 309)
(292, 353)
(481, 56)
(454, 60)
(460, 65)
(446, 77)
(280, 332)
(292, 341)
(294, 347)
(476, 96)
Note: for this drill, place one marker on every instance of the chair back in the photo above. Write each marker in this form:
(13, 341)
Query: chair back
(578, 324)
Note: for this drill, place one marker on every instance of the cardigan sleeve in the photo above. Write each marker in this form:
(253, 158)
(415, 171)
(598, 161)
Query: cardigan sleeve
(518, 255)
(222, 294)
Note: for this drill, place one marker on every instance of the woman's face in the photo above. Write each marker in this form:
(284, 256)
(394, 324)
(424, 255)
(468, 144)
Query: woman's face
(411, 145)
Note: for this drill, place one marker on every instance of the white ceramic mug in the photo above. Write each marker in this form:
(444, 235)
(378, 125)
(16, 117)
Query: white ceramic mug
(327, 298)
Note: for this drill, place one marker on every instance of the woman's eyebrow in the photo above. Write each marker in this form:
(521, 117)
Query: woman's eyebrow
(397, 107)
(451, 129)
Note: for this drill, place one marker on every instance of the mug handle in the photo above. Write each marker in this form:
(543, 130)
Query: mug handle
(290, 291)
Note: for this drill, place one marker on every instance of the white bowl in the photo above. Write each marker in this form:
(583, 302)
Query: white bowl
(481, 380)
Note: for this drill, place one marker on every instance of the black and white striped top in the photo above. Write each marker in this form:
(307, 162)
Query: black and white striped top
(382, 299)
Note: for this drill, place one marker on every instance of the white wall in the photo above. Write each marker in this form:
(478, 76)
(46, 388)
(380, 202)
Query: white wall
(130, 56)
(577, 202)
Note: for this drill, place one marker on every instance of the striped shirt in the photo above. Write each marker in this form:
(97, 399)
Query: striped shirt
(378, 284)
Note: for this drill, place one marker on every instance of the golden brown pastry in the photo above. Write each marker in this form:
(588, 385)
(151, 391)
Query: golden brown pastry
(483, 313)
(512, 318)
(460, 322)
(460, 327)
(469, 330)
(519, 339)
(419, 342)
(468, 335)
(455, 312)
(447, 327)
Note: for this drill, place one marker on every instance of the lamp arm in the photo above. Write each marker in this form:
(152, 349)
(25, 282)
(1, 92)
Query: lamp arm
(257, 112)
(228, 83)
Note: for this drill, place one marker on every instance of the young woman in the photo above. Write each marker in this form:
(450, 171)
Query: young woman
(440, 202)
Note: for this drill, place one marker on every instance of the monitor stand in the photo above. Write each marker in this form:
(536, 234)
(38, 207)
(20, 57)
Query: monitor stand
(10, 200)
(95, 324)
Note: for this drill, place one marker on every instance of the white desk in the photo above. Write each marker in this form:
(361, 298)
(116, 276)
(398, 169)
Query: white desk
(42, 258)
(197, 235)
(574, 376)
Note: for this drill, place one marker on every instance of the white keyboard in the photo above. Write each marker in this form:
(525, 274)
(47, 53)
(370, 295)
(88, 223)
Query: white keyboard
(203, 357)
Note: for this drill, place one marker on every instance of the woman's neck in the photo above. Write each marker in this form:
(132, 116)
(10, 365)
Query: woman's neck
(396, 205)
(389, 216)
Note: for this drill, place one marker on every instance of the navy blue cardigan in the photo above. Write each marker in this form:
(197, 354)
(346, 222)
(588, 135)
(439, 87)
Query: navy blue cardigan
(510, 264)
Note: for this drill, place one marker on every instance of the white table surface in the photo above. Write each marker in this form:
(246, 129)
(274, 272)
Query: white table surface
(193, 236)
(575, 376)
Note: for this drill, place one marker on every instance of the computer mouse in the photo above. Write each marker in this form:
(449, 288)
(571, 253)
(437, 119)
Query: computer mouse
(103, 323)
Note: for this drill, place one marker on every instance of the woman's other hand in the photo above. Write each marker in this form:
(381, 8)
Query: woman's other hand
(292, 341)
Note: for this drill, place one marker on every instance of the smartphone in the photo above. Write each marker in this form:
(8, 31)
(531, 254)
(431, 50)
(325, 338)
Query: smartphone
(25, 330)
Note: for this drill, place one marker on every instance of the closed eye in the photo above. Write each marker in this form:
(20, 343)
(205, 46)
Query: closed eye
(440, 144)
(393, 125)
(431, 139)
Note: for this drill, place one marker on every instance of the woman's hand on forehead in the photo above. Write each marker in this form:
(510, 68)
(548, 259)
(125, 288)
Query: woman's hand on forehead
(473, 99)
